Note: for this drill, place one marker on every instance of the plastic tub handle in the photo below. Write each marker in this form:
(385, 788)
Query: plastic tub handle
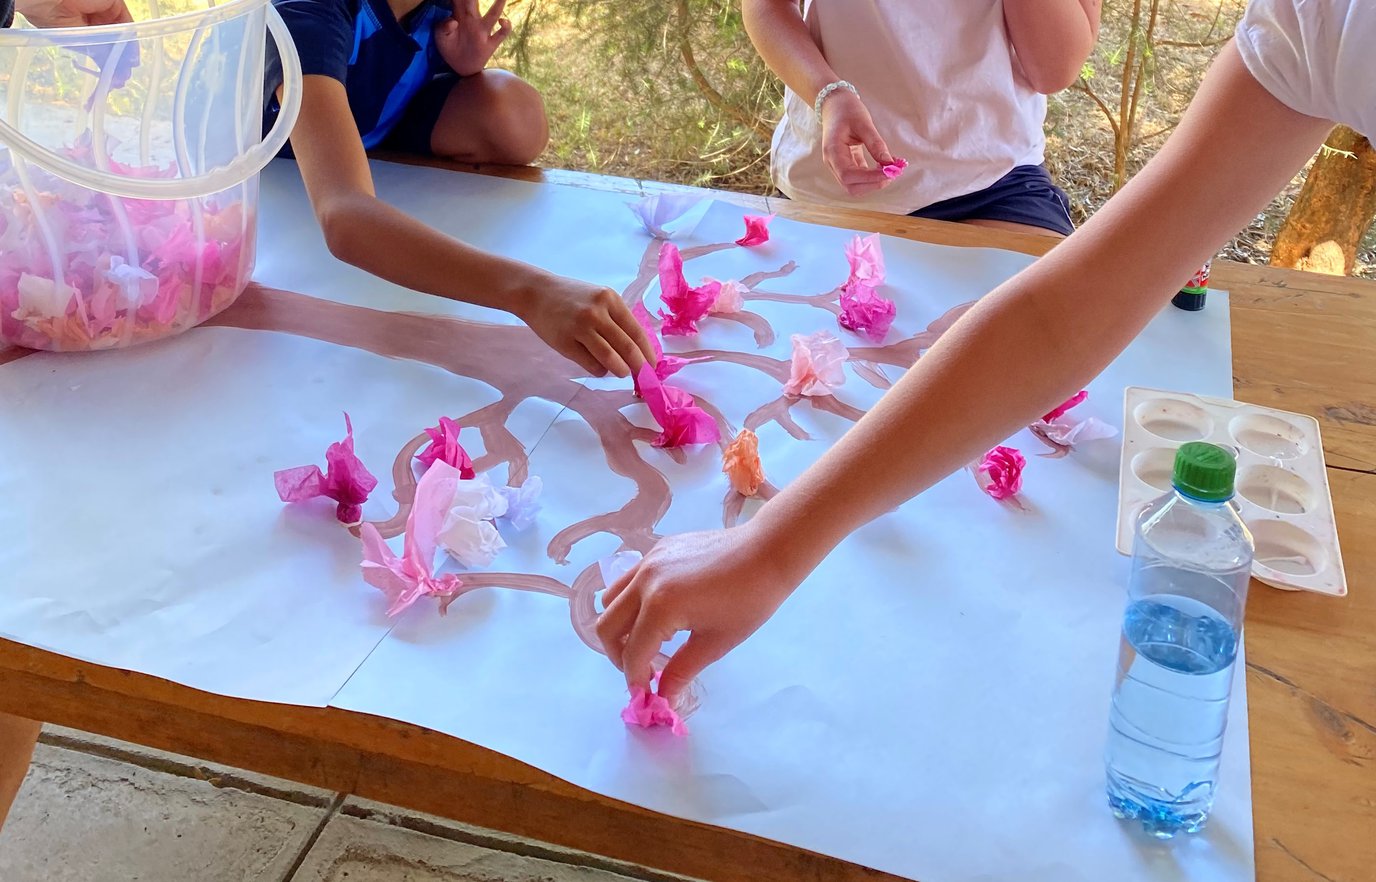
(222, 178)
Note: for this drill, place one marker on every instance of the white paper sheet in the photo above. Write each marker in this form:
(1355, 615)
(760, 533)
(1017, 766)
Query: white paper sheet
(933, 702)
(142, 528)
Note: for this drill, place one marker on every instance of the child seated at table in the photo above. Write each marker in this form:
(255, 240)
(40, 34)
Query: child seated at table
(957, 88)
(409, 76)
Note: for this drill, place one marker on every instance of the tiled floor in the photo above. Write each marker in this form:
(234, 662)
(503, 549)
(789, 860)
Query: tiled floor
(96, 810)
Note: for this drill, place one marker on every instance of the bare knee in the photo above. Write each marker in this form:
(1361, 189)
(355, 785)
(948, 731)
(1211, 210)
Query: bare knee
(494, 116)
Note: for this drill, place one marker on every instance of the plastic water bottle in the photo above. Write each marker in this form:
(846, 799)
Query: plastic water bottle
(1191, 562)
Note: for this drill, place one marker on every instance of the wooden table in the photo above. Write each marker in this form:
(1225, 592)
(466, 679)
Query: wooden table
(1301, 342)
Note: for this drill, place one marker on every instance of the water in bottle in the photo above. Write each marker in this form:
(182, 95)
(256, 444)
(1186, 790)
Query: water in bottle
(1192, 559)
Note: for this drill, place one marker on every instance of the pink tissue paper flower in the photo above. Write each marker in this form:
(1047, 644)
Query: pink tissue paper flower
(1073, 401)
(686, 305)
(866, 312)
(866, 258)
(818, 364)
(895, 168)
(648, 711)
(406, 579)
(1002, 467)
(665, 365)
(756, 230)
(345, 479)
(444, 446)
(731, 297)
(682, 422)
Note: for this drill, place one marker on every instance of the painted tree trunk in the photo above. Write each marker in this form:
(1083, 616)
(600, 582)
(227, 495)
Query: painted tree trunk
(1334, 210)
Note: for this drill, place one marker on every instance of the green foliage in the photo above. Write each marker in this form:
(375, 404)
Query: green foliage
(673, 82)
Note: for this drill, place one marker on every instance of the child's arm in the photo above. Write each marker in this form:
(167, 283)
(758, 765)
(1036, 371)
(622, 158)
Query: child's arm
(1052, 39)
(588, 324)
(780, 35)
(1025, 347)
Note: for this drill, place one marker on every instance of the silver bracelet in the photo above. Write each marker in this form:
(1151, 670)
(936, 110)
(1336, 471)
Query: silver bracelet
(826, 93)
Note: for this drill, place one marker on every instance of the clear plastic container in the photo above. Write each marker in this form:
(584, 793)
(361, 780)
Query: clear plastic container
(129, 160)
(1191, 563)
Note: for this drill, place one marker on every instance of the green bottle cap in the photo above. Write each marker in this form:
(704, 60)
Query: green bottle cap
(1205, 471)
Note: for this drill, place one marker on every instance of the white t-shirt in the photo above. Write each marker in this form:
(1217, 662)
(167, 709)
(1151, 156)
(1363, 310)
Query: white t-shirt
(944, 88)
(1317, 57)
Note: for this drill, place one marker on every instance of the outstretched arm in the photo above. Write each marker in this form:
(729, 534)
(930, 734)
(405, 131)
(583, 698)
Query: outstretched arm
(1052, 39)
(1235, 148)
(588, 324)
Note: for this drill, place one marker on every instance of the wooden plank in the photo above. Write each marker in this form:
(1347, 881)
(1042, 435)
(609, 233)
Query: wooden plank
(1311, 693)
(393, 762)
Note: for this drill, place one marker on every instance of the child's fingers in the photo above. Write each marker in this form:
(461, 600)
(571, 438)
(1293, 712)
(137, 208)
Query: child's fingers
(630, 353)
(614, 623)
(470, 7)
(640, 338)
(869, 136)
(579, 355)
(503, 31)
(860, 177)
(494, 13)
(605, 353)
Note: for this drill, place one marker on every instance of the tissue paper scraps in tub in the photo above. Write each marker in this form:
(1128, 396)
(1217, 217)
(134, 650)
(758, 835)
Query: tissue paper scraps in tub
(346, 479)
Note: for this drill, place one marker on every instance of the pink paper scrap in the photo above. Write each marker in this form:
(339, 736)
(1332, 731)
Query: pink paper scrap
(665, 365)
(681, 421)
(346, 479)
(1002, 468)
(406, 579)
(818, 365)
(756, 230)
(686, 305)
(444, 447)
(649, 710)
(894, 169)
(866, 312)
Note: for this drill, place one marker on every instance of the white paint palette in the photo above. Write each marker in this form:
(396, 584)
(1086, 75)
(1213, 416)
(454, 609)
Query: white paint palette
(1282, 483)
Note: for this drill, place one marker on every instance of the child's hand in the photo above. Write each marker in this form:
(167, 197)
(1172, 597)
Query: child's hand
(847, 132)
(588, 324)
(720, 586)
(73, 13)
(467, 40)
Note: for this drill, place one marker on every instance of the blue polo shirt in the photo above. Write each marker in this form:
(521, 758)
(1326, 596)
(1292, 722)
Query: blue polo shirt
(382, 62)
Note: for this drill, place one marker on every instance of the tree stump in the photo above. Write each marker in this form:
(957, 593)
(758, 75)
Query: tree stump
(1334, 210)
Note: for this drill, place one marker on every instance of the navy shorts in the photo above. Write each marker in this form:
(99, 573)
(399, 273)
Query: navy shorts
(412, 132)
(1026, 195)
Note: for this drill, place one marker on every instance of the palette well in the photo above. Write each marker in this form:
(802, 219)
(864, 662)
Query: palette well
(1282, 483)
